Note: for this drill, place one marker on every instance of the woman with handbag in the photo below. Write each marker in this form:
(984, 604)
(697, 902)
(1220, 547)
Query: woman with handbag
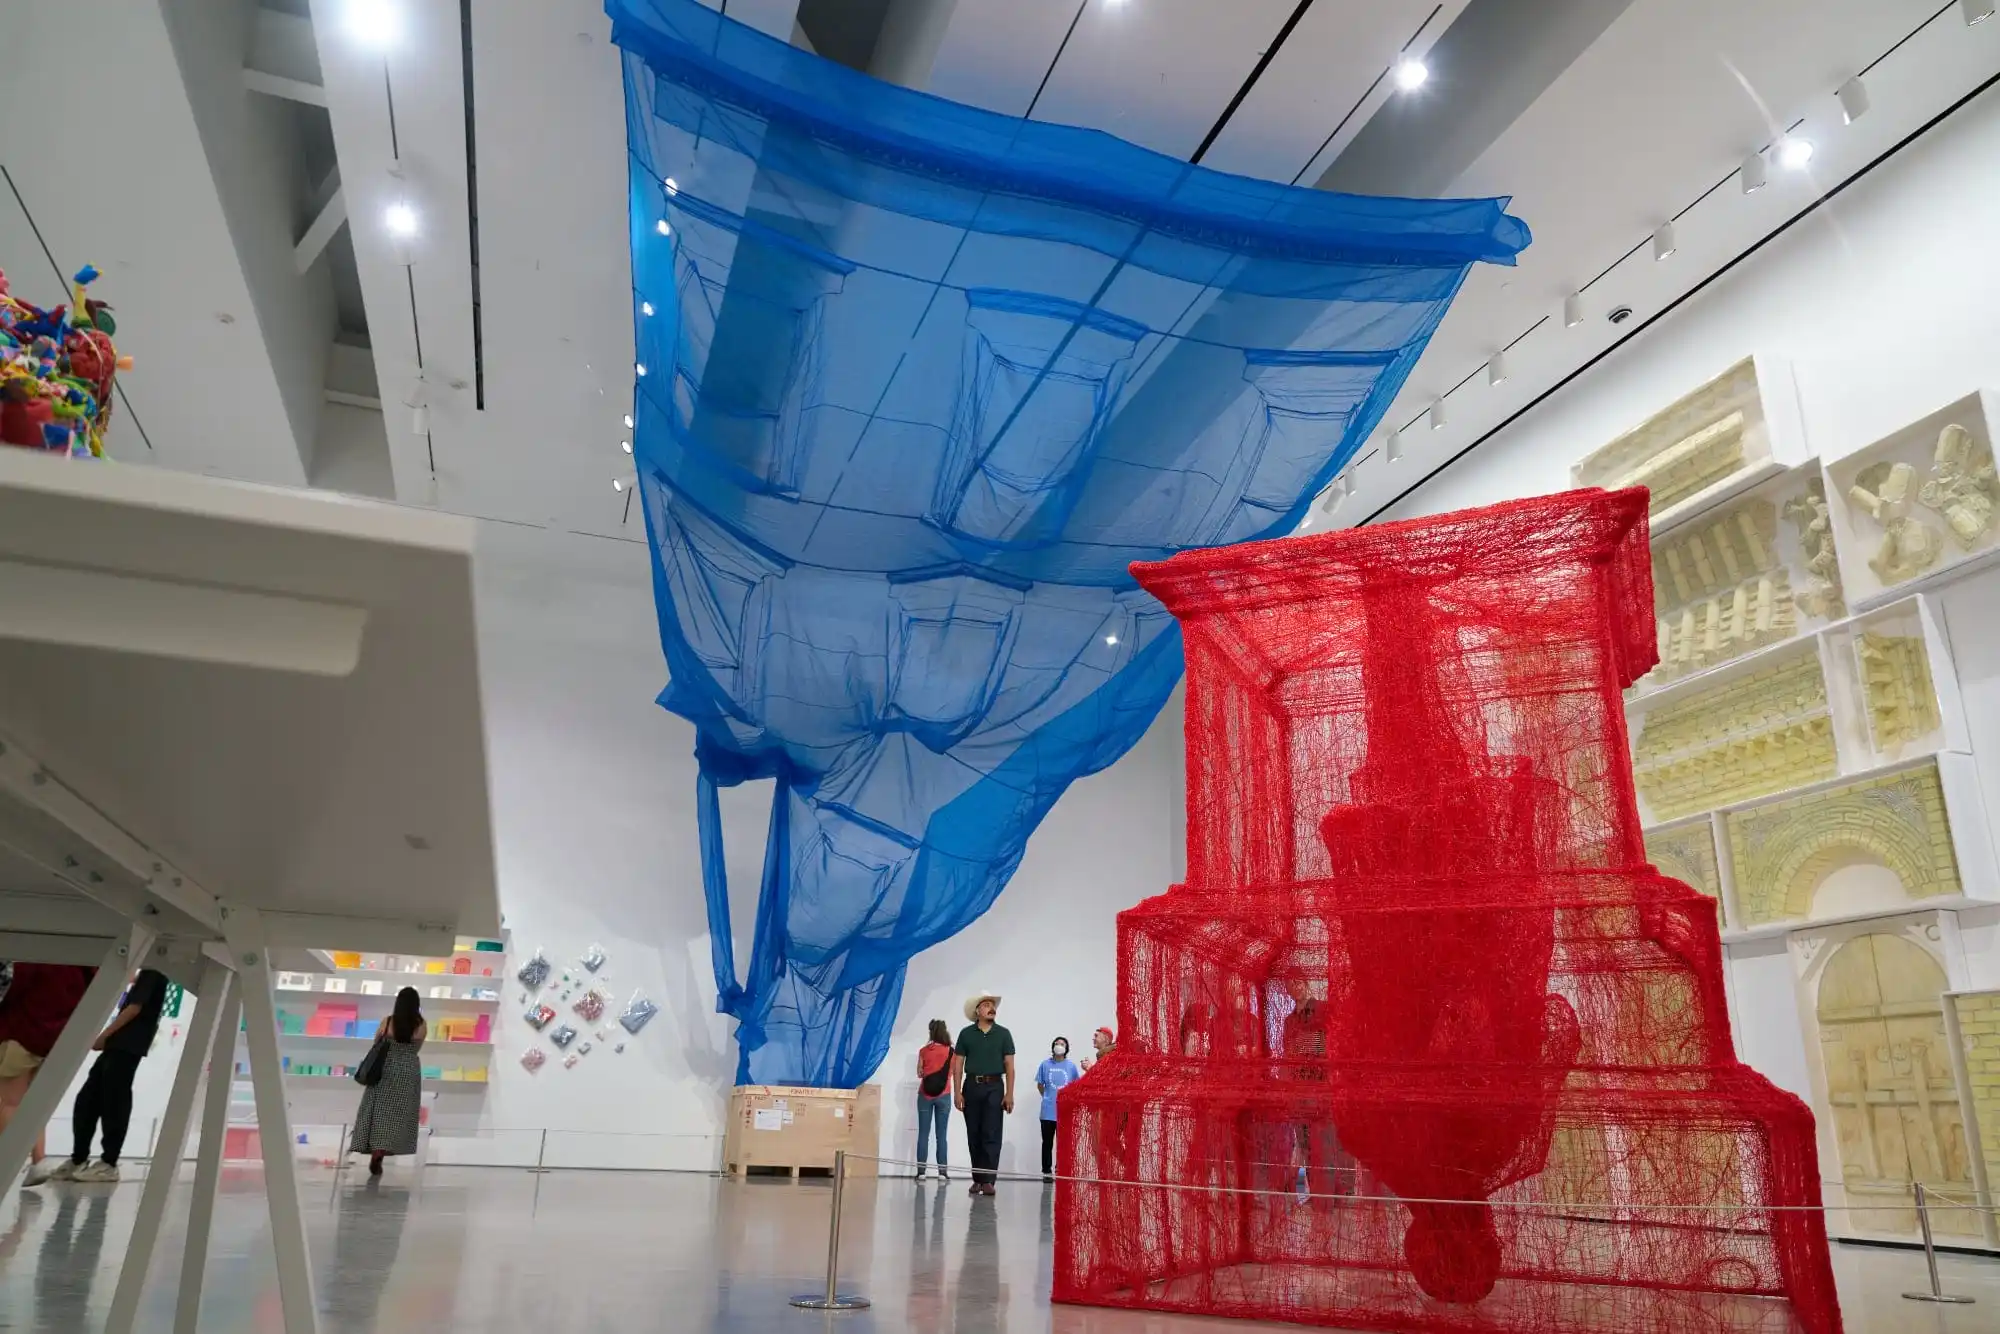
(393, 1075)
(933, 1097)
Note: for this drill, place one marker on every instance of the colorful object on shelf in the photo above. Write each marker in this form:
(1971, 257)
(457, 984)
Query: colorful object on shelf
(1420, 958)
(591, 1005)
(562, 1035)
(593, 958)
(916, 383)
(538, 1017)
(58, 368)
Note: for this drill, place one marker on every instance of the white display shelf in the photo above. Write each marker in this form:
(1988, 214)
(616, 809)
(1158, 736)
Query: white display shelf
(1972, 851)
(1901, 472)
(1741, 428)
(432, 1046)
(1739, 577)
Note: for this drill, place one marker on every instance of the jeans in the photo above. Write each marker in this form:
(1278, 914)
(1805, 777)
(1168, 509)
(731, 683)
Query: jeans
(932, 1111)
(983, 1120)
(1048, 1146)
(106, 1096)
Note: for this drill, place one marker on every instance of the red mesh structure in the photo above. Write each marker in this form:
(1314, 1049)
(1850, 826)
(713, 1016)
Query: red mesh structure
(1423, 1042)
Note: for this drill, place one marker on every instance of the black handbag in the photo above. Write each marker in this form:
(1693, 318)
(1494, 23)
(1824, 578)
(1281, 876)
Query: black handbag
(369, 1073)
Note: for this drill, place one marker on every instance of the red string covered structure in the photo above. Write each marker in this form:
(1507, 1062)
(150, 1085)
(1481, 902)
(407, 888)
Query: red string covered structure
(1423, 1042)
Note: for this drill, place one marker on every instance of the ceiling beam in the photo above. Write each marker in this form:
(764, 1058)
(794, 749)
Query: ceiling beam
(277, 85)
(332, 216)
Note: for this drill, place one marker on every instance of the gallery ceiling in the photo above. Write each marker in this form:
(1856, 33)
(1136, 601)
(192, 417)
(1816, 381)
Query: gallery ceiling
(499, 327)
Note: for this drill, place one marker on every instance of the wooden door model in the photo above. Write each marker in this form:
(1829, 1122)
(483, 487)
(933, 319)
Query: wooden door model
(1894, 1100)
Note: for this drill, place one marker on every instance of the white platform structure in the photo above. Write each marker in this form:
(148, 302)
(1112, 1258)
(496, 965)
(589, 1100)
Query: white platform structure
(234, 722)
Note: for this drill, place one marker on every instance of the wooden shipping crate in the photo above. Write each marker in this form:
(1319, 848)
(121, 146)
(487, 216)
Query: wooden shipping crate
(774, 1126)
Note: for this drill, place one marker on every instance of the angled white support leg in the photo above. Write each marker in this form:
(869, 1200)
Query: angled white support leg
(244, 930)
(211, 998)
(58, 1069)
(208, 1163)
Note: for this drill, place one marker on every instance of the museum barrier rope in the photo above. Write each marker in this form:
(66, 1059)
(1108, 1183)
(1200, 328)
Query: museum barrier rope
(834, 1300)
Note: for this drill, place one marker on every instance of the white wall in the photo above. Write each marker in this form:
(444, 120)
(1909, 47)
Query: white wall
(1887, 303)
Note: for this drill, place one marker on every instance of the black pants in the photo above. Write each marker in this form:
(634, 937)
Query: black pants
(1048, 1146)
(106, 1097)
(983, 1119)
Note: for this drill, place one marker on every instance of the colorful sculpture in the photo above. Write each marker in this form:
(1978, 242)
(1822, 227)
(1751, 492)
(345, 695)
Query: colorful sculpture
(1465, 1061)
(57, 371)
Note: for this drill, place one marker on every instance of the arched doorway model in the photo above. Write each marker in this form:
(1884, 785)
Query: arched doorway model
(1891, 1093)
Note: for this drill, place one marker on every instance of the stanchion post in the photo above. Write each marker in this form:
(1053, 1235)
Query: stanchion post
(1937, 1292)
(541, 1155)
(832, 1299)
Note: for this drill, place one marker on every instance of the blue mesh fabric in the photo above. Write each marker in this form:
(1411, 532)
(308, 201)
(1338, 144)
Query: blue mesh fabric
(917, 383)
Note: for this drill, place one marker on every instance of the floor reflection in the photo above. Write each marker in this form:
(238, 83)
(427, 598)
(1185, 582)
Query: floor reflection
(505, 1252)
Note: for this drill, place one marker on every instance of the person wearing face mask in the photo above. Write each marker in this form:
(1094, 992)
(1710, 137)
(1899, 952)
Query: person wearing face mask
(1050, 1077)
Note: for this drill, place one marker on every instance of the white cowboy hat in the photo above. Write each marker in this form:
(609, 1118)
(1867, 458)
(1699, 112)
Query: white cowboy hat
(972, 1004)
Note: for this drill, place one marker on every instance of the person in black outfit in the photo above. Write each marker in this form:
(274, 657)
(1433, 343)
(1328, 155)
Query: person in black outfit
(106, 1096)
(982, 1082)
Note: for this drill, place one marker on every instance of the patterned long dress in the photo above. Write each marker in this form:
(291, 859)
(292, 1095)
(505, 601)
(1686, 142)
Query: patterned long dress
(387, 1120)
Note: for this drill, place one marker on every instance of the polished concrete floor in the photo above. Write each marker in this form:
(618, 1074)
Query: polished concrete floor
(499, 1251)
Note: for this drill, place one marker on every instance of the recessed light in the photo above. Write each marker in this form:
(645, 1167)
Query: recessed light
(640, 369)
(374, 22)
(1793, 154)
(628, 421)
(618, 484)
(625, 445)
(1111, 639)
(400, 219)
(673, 188)
(1410, 74)
(646, 309)
(662, 228)
(1619, 314)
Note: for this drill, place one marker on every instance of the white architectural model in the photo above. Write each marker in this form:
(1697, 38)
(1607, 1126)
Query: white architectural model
(1962, 486)
(1909, 546)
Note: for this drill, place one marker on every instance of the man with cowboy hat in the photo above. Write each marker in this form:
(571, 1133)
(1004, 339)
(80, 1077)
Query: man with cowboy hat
(982, 1084)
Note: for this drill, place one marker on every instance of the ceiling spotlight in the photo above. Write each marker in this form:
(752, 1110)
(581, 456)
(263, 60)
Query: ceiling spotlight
(420, 419)
(618, 484)
(628, 421)
(374, 22)
(1754, 173)
(1496, 368)
(1111, 640)
(662, 228)
(1663, 241)
(1572, 310)
(401, 220)
(1437, 414)
(1975, 11)
(1346, 481)
(625, 445)
(673, 188)
(646, 308)
(1793, 154)
(1853, 97)
(1410, 73)
(1394, 449)
(639, 368)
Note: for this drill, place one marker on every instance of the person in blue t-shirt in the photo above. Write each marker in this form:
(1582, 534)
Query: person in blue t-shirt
(1053, 1073)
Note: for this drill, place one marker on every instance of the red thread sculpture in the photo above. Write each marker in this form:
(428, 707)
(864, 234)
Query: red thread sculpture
(1423, 1042)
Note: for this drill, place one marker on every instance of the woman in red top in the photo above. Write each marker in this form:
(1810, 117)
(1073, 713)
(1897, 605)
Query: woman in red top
(933, 1097)
(32, 1015)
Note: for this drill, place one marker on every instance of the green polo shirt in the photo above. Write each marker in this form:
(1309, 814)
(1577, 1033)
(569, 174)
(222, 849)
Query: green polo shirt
(985, 1053)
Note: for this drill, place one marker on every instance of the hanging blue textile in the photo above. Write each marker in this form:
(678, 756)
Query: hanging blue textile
(916, 384)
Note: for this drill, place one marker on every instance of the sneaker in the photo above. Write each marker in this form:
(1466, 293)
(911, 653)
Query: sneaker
(65, 1170)
(38, 1172)
(943, 1175)
(99, 1173)
(922, 1172)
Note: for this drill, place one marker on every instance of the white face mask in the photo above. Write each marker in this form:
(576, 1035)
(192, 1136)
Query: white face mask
(1062, 1053)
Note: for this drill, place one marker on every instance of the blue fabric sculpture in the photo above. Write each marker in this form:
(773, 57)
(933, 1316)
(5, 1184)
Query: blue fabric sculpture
(916, 384)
